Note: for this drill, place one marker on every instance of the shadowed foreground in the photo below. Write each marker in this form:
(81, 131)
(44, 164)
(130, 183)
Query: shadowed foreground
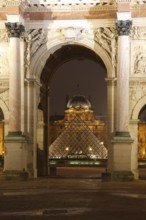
(73, 198)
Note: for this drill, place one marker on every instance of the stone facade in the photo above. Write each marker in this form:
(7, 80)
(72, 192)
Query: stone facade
(52, 27)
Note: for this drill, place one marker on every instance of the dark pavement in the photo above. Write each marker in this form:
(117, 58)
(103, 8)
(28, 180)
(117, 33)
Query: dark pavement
(80, 197)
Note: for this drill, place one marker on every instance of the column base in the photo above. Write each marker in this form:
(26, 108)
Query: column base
(121, 157)
(122, 134)
(14, 175)
(15, 156)
(14, 135)
(122, 175)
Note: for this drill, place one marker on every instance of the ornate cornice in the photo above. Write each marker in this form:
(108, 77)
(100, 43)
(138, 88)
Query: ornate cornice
(34, 6)
(4, 3)
(60, 5)
(70, 7)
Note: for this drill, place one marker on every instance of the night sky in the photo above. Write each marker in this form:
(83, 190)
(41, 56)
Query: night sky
(82, 77)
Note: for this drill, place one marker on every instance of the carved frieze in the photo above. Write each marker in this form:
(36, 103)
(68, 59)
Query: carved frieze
(86, 5)
(12, 2)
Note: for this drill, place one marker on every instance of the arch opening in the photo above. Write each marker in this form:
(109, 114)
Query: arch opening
(61, 57)
(142, 133)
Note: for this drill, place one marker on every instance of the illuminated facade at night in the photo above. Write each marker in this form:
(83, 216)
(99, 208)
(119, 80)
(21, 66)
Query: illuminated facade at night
(36, 38)
(79, 134)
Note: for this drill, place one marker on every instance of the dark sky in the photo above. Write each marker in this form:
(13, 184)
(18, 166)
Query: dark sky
(83, 77)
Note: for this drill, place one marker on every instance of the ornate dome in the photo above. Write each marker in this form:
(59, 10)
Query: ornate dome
(79, 101)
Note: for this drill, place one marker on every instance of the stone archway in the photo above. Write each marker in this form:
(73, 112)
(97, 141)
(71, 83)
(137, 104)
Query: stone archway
(134, 129)
(51, 53)
(138, 106)
(40, 58)
(62, 55)
(138, 126)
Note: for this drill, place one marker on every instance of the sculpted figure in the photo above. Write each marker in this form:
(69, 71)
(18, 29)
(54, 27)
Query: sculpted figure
(140, 64)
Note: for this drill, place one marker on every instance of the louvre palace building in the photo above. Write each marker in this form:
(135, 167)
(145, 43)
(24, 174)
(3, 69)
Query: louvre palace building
(38, 36)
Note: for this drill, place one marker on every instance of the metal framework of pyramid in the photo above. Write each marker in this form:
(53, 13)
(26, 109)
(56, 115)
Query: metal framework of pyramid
(77, 141)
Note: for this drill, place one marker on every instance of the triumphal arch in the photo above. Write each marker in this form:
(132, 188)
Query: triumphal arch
(36, 37)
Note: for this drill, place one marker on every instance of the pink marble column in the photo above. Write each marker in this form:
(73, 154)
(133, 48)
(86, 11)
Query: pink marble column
(122, 122)
(14, 31)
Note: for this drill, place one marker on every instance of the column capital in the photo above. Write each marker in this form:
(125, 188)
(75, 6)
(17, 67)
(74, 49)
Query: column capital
(14, 29)
(123, 27)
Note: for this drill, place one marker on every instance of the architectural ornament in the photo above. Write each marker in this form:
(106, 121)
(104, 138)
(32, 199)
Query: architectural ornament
(14, 29)
(139, 33)
(123, 27)
(46, 5)
(107, 39)
(140, 63)
(3, 35)
(12, 2)
(71, 33)
(4, 65)
(35, 39)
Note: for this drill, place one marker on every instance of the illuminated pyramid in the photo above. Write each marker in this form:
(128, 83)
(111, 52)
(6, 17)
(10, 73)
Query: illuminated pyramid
(77, 141)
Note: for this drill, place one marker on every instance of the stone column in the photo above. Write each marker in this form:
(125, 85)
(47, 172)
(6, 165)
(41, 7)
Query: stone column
(122, 168)
(15, 158)
(123, 65)
(14, 32)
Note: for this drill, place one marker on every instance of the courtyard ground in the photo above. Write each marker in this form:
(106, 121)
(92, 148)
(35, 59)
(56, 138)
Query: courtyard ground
(73, 195)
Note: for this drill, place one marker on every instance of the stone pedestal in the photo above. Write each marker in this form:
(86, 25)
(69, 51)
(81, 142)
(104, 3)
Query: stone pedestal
(122, 158)
(15, 156)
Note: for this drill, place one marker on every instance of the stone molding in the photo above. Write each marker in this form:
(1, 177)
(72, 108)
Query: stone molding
(46, 6)
(123, 27)
(14, 29)
(71, 7)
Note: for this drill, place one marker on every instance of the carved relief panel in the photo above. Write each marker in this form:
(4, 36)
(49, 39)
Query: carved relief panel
(4, 64)
(138, 52)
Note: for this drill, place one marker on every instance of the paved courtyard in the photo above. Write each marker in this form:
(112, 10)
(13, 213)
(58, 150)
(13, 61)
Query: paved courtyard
(81, 197)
